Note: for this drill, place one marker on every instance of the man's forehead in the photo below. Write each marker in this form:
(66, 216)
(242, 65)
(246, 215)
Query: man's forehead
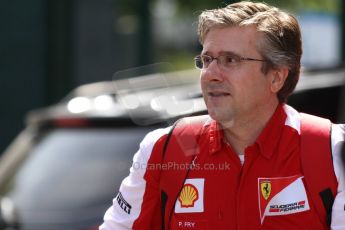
(232, 40)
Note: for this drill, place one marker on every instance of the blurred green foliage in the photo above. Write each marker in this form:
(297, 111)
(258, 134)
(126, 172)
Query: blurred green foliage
(179, 60)
(184, 59)
(183, 9)
(188, 6)
(307, 5)
(195, 7)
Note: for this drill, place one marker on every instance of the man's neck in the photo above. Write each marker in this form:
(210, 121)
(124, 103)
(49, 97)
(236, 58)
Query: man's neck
(242, 133)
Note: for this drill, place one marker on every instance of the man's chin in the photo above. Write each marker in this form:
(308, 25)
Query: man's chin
(220, 116)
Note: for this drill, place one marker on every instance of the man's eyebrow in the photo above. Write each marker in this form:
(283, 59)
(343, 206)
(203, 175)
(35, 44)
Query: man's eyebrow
(221, 53)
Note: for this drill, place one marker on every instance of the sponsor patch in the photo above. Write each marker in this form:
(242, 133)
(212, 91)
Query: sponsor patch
(124, 205)
(191, 198)
(265, 189)
(281, 196)
(189, 194)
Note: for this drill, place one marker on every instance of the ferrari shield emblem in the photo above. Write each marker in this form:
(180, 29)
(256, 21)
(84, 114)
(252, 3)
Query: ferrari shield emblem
(265, 189)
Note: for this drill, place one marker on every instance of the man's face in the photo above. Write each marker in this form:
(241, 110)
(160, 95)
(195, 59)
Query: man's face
(239, 91)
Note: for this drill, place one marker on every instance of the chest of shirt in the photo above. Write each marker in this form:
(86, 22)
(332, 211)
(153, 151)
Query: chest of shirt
(220, 193)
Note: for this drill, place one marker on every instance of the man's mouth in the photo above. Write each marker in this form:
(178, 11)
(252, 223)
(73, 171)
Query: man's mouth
(218, 94)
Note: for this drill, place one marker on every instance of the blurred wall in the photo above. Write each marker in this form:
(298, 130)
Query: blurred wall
(23, 43)
(48, 47)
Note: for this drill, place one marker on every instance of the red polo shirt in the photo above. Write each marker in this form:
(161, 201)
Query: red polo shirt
(267, 192)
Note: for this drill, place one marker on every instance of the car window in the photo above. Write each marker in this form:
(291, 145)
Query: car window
(72, 172)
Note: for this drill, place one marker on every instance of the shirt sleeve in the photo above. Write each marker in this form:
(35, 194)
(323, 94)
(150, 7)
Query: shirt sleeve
(338, 210)
(127, 205)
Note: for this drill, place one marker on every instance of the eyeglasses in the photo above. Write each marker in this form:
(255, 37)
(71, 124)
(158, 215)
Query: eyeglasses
(226, 61)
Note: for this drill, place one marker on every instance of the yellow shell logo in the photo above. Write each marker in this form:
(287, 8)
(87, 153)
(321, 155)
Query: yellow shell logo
(189, 194)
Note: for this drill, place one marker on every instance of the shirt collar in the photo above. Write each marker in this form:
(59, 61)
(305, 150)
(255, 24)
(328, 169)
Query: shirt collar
(215, 137)
(270, 135)
(267, 140)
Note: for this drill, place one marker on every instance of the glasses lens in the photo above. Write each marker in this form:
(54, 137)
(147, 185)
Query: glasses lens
(198, 62)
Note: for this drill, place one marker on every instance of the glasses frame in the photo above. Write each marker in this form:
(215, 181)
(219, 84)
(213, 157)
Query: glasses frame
(221, 60)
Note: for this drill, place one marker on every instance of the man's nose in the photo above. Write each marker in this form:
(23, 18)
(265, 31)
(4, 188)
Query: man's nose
(212, 72)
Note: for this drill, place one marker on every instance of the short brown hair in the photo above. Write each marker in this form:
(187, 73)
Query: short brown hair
(280, 44)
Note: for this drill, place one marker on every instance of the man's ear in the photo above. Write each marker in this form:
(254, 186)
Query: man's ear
(278, 77)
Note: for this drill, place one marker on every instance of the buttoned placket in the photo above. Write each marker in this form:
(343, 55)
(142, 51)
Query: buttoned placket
(250, 154)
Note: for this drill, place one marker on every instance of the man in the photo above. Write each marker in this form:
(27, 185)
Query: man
(250, 64)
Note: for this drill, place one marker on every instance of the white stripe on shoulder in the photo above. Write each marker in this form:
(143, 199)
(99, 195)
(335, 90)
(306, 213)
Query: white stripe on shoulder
(127, 204)
(337, 140)
(293, 118)
(147, 144)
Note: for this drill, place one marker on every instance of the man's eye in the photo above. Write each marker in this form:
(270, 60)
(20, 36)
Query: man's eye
(230, 59)
(206, 59)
